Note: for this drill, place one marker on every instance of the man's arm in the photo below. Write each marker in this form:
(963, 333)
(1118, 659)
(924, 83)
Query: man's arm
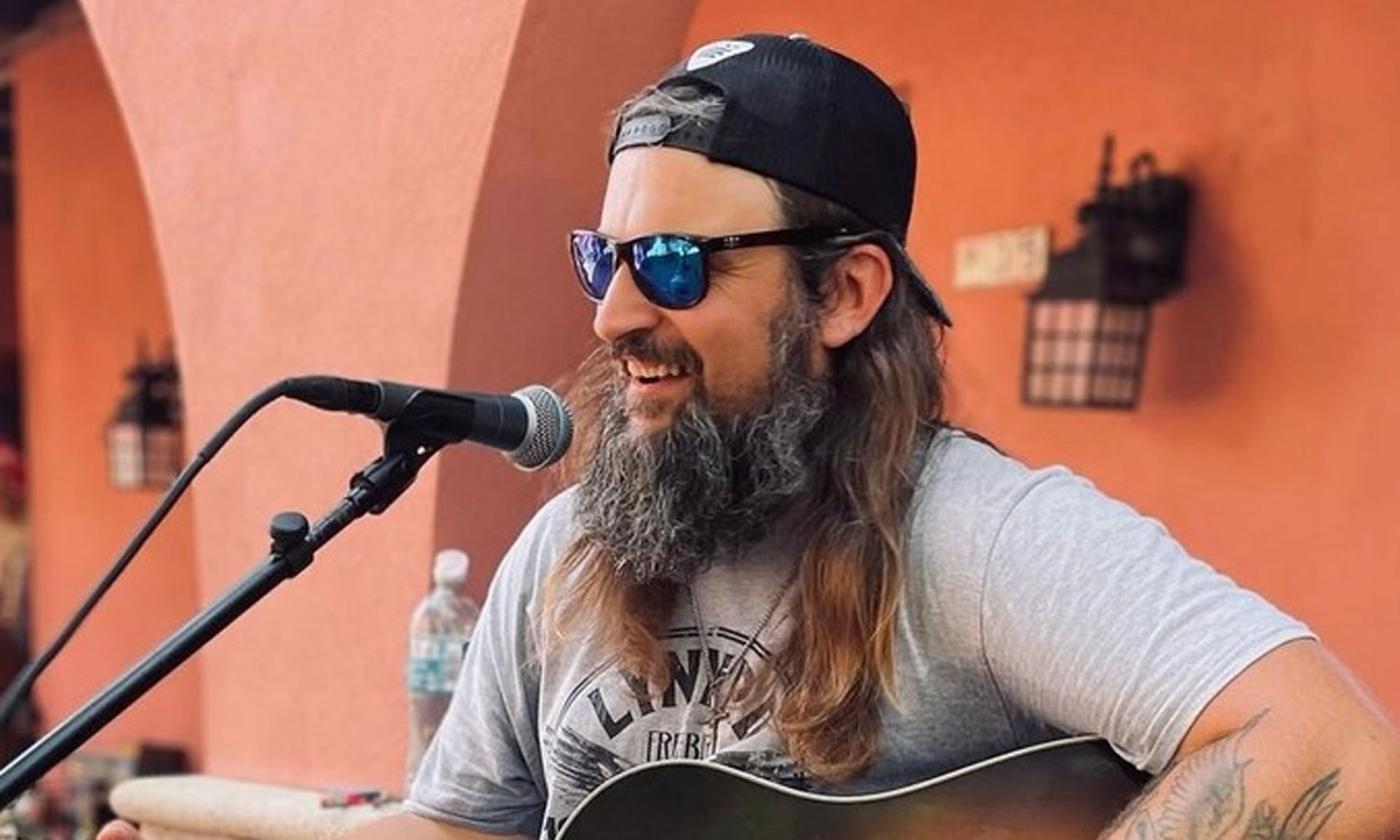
(397, 827)
(414, 827)
(1292, 749)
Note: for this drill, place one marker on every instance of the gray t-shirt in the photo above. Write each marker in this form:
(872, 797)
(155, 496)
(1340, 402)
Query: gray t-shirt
(1033, 606)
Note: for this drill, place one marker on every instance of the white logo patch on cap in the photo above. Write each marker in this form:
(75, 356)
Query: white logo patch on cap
(715, 52)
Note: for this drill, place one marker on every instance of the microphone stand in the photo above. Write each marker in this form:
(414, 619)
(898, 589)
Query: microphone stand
(407, 446)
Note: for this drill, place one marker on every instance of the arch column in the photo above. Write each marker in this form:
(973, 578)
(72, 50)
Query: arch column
(374, 190)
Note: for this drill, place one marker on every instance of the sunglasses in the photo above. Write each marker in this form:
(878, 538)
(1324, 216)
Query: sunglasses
(671, 269)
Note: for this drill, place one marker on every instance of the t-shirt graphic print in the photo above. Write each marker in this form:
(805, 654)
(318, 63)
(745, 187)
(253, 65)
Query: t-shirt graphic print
(608, 722)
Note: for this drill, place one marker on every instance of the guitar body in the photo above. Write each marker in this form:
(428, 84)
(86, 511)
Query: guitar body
(1071, 788)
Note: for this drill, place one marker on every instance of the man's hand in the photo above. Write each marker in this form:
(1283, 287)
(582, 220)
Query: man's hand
(1293, 749)
(118, 830)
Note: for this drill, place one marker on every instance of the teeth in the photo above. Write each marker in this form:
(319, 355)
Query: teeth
(642, 370)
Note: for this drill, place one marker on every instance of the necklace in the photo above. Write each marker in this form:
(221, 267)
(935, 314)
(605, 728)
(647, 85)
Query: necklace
(720, 680)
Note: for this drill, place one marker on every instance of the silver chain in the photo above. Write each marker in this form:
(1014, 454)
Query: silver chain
(719, 707)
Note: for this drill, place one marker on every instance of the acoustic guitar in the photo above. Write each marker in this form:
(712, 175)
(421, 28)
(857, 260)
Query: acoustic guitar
(1070, 788)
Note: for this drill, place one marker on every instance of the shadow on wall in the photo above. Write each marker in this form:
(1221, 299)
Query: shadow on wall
(1197, 363)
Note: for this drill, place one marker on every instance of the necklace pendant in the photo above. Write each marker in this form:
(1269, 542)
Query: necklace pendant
(717, 717)
(710, 715)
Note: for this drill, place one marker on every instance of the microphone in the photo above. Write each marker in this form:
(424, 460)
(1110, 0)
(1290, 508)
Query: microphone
(533, 425)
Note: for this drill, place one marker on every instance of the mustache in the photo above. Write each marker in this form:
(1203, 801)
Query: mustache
(644, 347)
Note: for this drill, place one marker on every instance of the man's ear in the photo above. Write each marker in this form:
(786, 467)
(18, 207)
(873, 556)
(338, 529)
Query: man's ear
(860, 283)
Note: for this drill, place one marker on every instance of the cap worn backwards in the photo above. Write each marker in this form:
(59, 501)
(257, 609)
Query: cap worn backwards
(803, 114)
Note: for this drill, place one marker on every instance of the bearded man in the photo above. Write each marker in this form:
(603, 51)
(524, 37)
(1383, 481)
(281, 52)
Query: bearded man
(778, 556)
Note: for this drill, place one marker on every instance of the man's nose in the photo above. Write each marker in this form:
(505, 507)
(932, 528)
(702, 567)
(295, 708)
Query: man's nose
(624, 308)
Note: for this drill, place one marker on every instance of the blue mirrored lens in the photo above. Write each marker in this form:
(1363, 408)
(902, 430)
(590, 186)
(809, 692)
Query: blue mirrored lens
(672, 268)
(593, 260)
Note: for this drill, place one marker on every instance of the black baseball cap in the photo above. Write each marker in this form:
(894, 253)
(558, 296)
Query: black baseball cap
(806, 115)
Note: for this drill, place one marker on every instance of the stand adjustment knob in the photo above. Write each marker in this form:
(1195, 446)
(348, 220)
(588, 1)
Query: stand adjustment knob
(288, 529)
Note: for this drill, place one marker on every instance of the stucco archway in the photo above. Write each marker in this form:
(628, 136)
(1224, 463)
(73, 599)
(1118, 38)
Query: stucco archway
(326, 182)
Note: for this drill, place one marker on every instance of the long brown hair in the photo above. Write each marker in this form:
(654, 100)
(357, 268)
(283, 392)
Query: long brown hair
(837, 667)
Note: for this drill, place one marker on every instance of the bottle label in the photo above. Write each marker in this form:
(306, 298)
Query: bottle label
(434, 663)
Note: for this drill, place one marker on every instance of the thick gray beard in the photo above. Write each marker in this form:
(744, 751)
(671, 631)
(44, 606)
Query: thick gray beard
(662, 506)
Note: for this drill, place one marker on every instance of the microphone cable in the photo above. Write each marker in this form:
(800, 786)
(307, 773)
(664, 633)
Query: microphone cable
(20, 687)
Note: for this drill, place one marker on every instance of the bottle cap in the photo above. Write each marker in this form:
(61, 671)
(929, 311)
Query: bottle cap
(450, 567)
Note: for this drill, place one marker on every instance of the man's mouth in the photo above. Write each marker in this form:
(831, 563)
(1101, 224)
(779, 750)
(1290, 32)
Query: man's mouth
(651, 373)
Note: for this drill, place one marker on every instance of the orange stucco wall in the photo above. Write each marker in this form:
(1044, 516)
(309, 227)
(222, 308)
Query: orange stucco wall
(89, 284)
(1266, 436)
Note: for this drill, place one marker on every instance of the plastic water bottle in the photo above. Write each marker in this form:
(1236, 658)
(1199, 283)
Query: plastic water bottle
(438, 634)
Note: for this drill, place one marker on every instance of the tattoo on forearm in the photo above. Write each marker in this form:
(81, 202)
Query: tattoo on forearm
(1205, 799)
(1305, 819)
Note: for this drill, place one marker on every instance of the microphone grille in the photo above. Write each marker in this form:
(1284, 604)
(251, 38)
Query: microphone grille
(551, 429)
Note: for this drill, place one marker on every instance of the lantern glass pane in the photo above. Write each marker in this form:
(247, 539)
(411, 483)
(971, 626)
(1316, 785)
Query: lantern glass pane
(1044, 350)
(1053, 316)
(163, 455)
(1119, 356)
(1079, 371)
(1065, 315)
(1039, 351)
(1064, 333)
(1086, 316)
(125, 455)
(1038, 377)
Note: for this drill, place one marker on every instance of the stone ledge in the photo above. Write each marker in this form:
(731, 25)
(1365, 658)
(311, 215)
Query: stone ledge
(212, 808)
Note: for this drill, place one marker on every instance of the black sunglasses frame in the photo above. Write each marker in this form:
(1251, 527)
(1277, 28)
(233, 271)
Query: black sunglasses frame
(623, 250)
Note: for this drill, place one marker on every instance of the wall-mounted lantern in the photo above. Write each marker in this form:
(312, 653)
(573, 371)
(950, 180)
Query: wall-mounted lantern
(144, 442)
(1087, 325)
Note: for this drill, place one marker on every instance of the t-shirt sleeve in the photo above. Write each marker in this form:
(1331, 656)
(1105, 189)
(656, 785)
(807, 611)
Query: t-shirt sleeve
(483, 768)
(1096, 621)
